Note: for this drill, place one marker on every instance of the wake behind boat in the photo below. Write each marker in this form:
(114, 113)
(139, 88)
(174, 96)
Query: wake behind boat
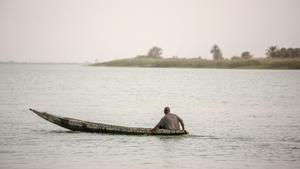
(85, 126)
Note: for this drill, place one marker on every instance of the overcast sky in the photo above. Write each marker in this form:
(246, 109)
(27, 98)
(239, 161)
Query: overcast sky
(86, 30)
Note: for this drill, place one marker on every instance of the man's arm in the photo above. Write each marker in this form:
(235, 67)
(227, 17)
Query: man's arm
(157, 126)
(181, 123)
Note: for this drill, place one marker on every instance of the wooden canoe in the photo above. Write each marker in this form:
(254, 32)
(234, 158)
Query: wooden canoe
(85, 126)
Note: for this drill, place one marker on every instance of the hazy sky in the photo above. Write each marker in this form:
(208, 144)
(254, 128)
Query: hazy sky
(86, 30)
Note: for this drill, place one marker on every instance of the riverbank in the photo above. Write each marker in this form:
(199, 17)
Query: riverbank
(203, 63)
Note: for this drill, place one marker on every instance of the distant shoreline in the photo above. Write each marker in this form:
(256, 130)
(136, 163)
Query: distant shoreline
(261, 63)
(50, 63)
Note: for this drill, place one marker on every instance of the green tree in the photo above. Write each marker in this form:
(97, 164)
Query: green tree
(155, 52)
(246, 55)
(272, 51)
(235, 57)
(216, 52)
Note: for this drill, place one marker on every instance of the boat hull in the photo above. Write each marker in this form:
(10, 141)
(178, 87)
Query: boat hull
(85, 126)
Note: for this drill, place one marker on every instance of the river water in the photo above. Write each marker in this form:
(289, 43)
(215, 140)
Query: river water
(244, 119)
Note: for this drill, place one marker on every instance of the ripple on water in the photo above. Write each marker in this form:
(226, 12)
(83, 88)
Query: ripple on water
(291, 139)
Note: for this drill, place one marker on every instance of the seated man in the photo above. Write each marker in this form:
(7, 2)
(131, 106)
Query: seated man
(169, 121)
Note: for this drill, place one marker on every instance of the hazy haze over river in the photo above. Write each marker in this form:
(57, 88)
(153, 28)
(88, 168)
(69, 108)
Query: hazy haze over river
(246, 119)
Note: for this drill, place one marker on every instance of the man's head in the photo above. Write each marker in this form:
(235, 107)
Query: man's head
(167, 110)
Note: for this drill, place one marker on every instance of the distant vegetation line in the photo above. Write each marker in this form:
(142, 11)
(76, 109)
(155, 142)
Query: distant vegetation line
(202, 63)
(276, 59)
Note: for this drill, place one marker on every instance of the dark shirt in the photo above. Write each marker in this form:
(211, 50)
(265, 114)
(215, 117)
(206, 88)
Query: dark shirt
(170, 121)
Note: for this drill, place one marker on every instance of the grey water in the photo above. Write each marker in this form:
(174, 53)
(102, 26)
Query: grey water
(245, 119)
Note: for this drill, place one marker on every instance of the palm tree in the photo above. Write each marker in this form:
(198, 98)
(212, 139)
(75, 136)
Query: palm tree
(272, 51)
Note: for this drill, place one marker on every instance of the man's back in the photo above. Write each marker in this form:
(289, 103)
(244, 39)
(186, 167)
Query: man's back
(170, 121)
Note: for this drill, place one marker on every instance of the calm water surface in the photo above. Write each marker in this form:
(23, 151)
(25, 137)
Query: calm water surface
(244, 119)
